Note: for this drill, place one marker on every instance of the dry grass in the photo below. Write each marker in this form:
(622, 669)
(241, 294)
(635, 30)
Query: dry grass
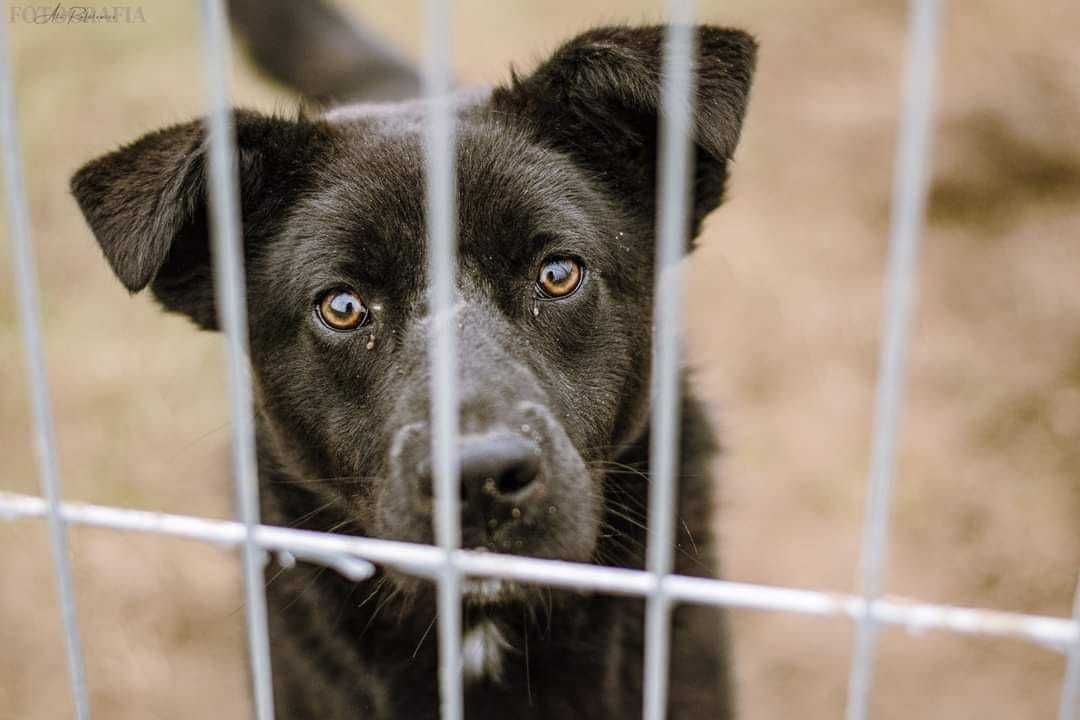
(783, 326)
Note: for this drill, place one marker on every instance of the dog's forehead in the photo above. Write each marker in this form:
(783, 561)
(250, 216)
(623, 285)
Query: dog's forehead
(380, 158)
(365, 212)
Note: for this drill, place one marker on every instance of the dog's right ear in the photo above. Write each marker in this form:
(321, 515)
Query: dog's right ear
(147, 203)
(598, 98)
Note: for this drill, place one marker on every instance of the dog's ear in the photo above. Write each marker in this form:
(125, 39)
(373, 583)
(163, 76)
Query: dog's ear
(598, 98)
(147, 203)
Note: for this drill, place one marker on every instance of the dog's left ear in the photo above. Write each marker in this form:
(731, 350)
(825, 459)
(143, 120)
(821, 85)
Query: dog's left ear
(598, 98)
(147, 203)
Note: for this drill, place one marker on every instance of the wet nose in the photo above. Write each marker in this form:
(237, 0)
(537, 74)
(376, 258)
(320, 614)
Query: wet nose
(495, 470)
(498, 468)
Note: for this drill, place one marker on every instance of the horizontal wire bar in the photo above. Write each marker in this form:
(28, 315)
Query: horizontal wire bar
(1058, 634)
(24, 269)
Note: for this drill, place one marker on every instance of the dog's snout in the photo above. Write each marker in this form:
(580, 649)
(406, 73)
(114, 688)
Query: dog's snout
(523, 486)
(502, 483)
(500, 467)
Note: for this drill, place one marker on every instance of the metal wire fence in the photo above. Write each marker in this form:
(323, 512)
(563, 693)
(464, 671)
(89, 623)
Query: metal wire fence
(446, 563)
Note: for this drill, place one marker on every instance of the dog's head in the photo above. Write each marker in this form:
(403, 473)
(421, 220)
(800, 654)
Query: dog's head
(556, 204)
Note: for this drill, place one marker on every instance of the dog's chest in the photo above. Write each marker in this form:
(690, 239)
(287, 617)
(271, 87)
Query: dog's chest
(484, 651)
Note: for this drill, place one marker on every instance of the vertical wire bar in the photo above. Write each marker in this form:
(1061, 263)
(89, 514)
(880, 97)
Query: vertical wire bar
(908, 204)
(672, 216)
(231, 298)
(1070, 691)
(26, 292)
(441, 253)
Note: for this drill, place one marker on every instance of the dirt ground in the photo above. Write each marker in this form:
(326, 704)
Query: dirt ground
(783, 330)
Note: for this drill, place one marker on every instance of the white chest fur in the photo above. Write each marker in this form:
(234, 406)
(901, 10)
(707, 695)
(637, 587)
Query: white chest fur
(484, 651)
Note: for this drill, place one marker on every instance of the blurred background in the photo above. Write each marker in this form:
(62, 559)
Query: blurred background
(783, 327)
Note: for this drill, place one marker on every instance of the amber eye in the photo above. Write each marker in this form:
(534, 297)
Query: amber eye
(341, 309)
(559, 277)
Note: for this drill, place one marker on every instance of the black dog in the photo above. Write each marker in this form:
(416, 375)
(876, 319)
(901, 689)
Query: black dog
(556, 210)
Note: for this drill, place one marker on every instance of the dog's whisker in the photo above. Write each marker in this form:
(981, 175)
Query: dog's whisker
(183, 449)
(312, 513)
(375, 613)
(375, 591)
(340, 525)
(691, 536)
(311, 583)
(424, 636)
(339, 479)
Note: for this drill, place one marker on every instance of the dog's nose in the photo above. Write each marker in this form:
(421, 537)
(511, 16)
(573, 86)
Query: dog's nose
(497, 468)
(502, 484)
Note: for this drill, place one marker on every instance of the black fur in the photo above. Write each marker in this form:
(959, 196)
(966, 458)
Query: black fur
(559, 163)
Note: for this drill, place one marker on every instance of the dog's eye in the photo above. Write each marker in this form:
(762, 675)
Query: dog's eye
(559, 277)
(342, 309)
